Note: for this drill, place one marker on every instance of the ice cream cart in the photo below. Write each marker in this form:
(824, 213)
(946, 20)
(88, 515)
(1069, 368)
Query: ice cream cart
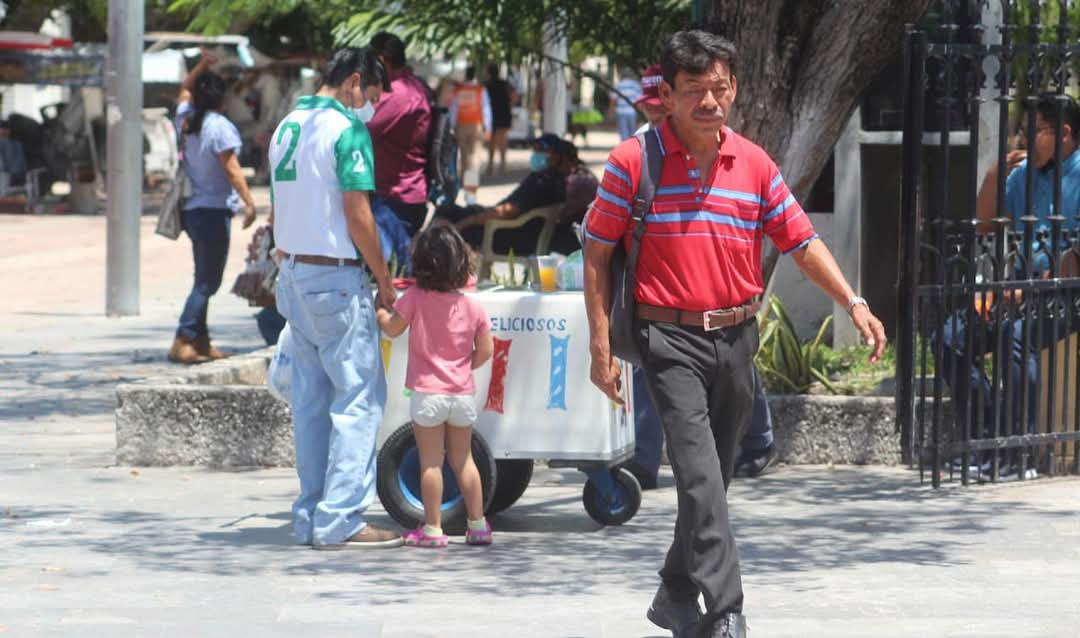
(535, 401)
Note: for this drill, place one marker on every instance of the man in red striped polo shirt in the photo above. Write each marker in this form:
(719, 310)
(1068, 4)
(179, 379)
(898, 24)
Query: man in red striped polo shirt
(698, 285)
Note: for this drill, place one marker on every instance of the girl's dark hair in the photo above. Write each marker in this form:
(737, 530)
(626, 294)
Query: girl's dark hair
(441, 259)
(208, 95)
(695, 51)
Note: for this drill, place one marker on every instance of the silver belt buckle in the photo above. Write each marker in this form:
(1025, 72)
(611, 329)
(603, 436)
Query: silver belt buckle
(708, 315)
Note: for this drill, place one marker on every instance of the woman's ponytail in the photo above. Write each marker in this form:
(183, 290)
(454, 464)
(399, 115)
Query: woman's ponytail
(208, 95)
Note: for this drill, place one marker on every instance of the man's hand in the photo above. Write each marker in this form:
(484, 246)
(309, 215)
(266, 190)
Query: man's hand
(1013, 159)
(871, 328)
(249, 214)
(606, 375)
(386, 295)
(206, 57)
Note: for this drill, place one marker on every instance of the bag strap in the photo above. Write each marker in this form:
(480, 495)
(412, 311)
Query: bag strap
(651, 163)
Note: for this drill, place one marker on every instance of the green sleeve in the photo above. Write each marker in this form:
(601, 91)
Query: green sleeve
(355, 159)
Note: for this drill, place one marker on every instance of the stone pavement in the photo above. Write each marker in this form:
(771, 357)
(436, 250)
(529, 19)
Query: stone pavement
(91, 549)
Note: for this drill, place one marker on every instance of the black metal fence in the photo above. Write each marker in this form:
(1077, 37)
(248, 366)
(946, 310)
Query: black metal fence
(989, 296)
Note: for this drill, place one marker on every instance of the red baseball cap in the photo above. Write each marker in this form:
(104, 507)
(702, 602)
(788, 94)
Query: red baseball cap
(650, 86)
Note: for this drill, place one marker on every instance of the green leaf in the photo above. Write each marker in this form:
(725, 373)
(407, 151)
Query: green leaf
(824, 380)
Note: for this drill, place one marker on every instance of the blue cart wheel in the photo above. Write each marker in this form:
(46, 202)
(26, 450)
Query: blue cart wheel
(619, 505)
(398, 481)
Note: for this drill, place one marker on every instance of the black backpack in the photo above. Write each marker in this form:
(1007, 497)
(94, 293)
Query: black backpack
(441, 168)
(623, 273)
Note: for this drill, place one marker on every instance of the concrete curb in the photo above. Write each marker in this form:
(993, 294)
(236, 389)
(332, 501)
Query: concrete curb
(220, 414)
(815, 429)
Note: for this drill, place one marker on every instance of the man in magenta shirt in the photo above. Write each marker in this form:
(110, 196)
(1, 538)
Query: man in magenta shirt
(399, 133)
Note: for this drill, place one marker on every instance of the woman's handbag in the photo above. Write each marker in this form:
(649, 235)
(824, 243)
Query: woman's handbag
(170, 214)
(169, 223)
(256, 283)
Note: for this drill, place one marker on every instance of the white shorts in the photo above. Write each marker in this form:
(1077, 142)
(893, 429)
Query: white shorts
(428, 410)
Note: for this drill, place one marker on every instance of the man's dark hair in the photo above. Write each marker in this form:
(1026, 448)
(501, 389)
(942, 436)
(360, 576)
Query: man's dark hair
(362, 60)
(1046, 106)
(441, 258)
(208, 94)
(470, 73)
(493, 72)
(694, 52)
(390, 47)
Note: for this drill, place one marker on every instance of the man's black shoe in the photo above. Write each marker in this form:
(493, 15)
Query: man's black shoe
(753, 463)
(646, 479)
(679, 617)
(730, 625)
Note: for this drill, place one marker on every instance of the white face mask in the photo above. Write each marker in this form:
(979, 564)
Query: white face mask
(365, 112)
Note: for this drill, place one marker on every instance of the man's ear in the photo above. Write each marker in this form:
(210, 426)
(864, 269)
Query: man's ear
(665, 91)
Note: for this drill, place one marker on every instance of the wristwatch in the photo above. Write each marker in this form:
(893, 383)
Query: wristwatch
(855, 301)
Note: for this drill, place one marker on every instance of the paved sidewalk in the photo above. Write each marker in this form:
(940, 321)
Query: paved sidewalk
(91, 549)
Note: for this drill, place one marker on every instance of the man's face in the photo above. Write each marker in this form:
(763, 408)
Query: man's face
(1041, 149)
(654, 113)
(700, 102)
(361, 95)
(373, 94)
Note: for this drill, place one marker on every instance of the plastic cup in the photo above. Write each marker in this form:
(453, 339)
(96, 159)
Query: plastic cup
(547, 270)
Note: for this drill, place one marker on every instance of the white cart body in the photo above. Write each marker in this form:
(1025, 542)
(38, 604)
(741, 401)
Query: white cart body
(545, 406)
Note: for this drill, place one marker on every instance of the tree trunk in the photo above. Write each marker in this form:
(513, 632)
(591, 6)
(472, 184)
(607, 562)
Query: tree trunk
(801, 68)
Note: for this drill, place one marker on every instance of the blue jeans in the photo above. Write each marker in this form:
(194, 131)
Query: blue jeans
(270, 323)
(393, 234)
(627, 125)
(12, 157)
(338, 395)
(648, 432)
(208, 229)
(972, 387)
(760, 436)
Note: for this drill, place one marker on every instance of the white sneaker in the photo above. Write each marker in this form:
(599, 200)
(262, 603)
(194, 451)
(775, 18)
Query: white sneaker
(1008, 474)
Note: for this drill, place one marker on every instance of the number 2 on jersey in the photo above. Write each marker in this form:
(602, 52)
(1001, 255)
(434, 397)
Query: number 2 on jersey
(285, 171)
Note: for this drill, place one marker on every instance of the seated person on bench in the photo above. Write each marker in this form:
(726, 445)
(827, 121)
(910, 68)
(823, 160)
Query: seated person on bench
(553, 161)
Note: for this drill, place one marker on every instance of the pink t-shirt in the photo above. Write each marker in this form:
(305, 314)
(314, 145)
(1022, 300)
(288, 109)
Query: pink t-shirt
(442, 330)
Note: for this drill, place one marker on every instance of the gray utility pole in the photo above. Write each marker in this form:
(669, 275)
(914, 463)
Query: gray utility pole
(554, 80)
(123, 113)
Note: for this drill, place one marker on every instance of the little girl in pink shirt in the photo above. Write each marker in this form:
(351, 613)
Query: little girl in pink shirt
(449, 336)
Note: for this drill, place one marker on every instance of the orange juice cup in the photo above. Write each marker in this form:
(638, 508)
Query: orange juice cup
(547, 273)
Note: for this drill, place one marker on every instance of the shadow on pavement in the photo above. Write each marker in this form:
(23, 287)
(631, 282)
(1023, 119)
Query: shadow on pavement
(45, 383)
(548, 545)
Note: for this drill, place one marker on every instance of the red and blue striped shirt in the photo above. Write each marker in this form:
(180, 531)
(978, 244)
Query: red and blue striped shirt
(702, 244)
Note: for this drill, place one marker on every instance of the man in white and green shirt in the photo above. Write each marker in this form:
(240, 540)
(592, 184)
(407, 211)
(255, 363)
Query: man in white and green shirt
(322, 174)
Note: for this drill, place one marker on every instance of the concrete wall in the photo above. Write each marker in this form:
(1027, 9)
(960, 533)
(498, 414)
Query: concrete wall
(221, 415)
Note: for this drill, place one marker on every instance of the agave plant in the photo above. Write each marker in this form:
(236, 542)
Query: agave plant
(787, 365)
